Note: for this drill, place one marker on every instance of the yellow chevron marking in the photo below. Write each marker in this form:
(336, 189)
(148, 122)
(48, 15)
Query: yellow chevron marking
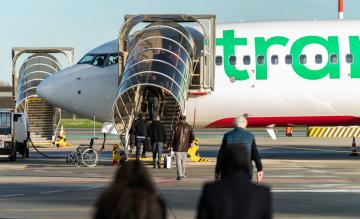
(327, 132)
(342, 130)
(311, 132)
(336, 132)
(192, 152)
(347, 132)
(115, 152)
(321, 133)
(351, 133)
(316, 132)
(333, 129)
(356, 134)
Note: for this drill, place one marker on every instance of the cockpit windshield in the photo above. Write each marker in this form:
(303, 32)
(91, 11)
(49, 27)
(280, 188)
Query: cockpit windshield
(99, 59)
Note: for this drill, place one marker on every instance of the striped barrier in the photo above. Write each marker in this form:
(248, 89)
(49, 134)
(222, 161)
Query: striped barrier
(115, 154)
(334, 132)
(193, 152)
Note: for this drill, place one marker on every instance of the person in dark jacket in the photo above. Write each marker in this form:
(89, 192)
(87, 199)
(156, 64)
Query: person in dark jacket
(239, 137)
(140, 135)
(234, 196)
(153, 97)
(183, 136)
(157, 135)
(132, 194)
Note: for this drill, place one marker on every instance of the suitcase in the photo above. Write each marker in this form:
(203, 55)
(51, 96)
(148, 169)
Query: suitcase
(167, 161)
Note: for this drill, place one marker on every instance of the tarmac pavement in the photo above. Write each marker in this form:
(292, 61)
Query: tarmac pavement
(309, 178)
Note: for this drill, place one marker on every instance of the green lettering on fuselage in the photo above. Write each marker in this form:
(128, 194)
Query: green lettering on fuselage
(331, 70)
(354, 43)
(332, 47)
(261, 48)
(229, 42)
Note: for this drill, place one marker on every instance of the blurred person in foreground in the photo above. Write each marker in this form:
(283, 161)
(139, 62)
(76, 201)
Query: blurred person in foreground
(239, 137)
(132, 194)
(234, 196)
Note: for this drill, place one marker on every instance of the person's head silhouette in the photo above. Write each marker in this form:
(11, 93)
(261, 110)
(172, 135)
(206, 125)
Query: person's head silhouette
(131, 195)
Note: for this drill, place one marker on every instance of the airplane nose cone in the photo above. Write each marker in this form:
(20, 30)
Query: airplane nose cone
(54, 90)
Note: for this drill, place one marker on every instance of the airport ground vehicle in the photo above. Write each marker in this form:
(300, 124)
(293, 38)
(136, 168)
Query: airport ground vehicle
(13, 134)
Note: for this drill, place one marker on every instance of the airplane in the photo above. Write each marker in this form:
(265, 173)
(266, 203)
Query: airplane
(282, 73)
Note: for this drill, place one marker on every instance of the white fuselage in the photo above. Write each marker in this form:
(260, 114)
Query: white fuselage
(270, 90)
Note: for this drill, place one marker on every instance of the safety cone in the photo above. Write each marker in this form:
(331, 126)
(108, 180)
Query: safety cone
(353, 148)
(288, 131)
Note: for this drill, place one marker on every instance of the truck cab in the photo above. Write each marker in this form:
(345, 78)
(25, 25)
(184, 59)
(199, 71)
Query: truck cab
(13, 134)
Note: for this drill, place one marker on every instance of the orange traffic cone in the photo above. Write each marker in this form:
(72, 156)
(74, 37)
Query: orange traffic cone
(288, 131)
(353, 148)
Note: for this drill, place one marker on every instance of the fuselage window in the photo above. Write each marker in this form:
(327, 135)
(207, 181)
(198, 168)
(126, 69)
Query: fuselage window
(218, 60)
(112, 59)
(260, 60)
(274, 59)
(349, 58)
(333, 59)
(232, 60)
(288, 59)
(246, 60)
(302, 59)
(318, 59)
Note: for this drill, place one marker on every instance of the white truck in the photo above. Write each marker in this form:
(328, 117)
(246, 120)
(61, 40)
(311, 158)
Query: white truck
(14, 132)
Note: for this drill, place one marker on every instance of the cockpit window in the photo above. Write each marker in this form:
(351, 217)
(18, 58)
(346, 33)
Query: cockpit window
(99, 60)
(112, 59)
(87, 59)
(94, 59)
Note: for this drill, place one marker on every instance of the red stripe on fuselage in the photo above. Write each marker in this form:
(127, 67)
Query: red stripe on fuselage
(288, 121)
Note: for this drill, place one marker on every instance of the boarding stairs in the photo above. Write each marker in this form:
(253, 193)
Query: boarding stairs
(161, 57)
(41, 119)
(170, 115)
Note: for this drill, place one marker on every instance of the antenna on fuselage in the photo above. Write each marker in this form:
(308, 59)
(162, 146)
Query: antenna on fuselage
(341, 9)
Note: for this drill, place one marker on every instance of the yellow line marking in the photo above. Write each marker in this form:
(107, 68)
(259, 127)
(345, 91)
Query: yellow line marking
(342, 131)
(141, 158)
(311, 149)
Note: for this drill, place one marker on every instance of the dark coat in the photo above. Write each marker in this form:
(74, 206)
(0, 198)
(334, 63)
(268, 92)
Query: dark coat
(140, 127)
(235, 197)
(183, 136)
(239, 137)
(157, 132)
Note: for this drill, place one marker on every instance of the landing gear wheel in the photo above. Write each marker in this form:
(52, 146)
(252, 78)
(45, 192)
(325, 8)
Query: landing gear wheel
(89, 157)
(27, 153)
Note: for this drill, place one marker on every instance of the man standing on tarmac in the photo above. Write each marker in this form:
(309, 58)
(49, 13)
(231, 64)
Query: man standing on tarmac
(140, 135)
(183, 136)
(157, 135)
(239, 137)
